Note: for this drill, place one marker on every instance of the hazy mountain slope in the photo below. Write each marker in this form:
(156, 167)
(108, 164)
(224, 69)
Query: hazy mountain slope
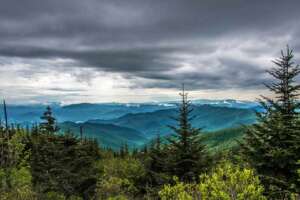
(210, 118)
(223, 139)
(77, 112)
(107, 134)
(84, 112)
(113, 136)
(105, 111)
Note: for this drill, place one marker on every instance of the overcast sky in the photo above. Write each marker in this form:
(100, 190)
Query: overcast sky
(141, 50)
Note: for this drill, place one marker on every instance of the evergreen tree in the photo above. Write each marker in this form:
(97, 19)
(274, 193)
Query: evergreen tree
(64, 164)
(155, 164)
(157, 155)
(272, 145)
(135, 152)
(124, 151)
(187, 152)
(49, 122)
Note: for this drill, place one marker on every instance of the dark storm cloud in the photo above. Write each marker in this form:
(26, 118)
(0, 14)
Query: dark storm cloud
(152, 39)
(228, 77)
(129, 60)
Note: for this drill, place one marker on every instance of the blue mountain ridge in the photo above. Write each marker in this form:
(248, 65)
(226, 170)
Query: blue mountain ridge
(106, 111)
(114, 124)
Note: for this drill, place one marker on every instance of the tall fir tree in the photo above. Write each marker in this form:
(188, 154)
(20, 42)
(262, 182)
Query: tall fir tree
(272, 145)
(49, 122)
(187, 151)
(157, 155)
(64, 164)
(155, 163)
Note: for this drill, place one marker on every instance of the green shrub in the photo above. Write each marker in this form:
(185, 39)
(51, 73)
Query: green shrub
(15, 176)
(226, 182)
(119, 177)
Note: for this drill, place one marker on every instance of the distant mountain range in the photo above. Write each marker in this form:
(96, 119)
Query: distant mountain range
(207, 117)
(114, 124)
(106, 111)
(145, 126)
(113, 136)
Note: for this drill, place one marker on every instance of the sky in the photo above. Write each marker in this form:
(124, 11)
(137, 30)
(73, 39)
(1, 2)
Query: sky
(73, 51)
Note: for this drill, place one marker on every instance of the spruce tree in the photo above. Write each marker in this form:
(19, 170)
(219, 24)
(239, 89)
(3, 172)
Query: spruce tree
(272, 145)
(155, 163)
(187, 151)
(157, 155)
(49, 122)
(64, 164)
(124, 151)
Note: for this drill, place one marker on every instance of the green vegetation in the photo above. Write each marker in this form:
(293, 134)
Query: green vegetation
(256, 162)
(15, 176)
(226, 182)
(224, 139)
(272, 145)
(120, 177)
(186, 149)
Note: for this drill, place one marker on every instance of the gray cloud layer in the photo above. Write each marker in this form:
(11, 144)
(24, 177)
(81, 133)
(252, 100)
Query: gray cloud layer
(209, 44)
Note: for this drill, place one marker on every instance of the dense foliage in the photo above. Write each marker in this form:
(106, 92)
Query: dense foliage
(186, 149)
(120, 176)
(272, 145)
(226, 182)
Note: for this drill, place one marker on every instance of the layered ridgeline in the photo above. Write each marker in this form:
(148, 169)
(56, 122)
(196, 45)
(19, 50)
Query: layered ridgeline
(142, 127)
(28, 114)
(106, 111)
(207, 117)
(114, 124)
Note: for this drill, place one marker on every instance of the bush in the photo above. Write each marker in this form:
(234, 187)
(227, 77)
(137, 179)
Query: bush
(226, 182)
(15, 176)
(57, 196)
(19, 187)
(180, 191)
(120, 178)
